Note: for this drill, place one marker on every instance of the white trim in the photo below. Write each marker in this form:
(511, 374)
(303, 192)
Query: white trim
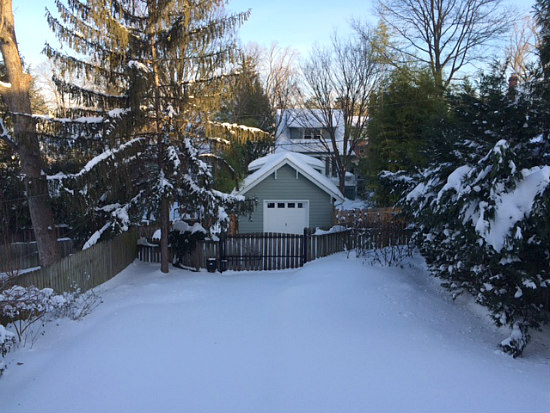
(307, 171)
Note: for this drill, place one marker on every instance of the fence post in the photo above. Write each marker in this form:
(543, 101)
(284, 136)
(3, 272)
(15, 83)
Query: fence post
(222, 251)
(304, 246)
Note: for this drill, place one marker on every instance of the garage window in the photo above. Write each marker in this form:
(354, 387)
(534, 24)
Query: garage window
(271, 204)
(300, 204)
(292, 205)
(280, 204)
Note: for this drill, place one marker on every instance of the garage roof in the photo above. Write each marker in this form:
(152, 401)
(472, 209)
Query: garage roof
(315, 163)
(273, 162)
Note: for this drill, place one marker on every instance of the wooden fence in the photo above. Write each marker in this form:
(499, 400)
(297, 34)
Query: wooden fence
(85, 269)
(257, 252)
(21, 255)
(271, 251)
(364, 218)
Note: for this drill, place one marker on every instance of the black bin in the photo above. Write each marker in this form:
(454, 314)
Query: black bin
(211, 264)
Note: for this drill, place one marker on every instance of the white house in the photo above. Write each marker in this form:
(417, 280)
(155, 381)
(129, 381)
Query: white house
(305, 131)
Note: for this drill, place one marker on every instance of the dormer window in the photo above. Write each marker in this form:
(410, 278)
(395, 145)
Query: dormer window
(311, 133)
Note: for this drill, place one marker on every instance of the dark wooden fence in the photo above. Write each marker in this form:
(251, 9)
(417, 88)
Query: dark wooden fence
(85, 269)
(21, 255)
(251, 252)
(271, 251)
(257, 252)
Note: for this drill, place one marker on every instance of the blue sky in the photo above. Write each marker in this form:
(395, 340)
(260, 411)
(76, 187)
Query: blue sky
(295, 23)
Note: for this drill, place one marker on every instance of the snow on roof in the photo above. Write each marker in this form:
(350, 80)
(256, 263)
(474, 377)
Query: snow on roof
(278, 159)
(310, 160)
(308, 118)
(311, 118)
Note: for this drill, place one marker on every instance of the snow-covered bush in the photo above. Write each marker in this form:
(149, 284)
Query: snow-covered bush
(482, 210)
(7, 341)
(183, 239)
(22, 307)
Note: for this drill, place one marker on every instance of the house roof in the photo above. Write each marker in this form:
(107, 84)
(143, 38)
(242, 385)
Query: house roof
(312, 118)
(310, 160)
(307, 118)
(275, 161)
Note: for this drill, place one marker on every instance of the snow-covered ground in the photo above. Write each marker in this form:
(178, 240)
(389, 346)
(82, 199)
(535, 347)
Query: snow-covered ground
(338, 335)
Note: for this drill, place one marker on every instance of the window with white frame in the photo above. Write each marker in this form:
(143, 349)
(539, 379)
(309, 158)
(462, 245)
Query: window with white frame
(312, 133)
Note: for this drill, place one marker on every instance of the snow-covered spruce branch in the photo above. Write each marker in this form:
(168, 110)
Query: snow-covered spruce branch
(219, 159)
(238, 133)
(89, 97)
(119, 215)
(481, 228)
(111, 114)
(62, 60)
(102, 157)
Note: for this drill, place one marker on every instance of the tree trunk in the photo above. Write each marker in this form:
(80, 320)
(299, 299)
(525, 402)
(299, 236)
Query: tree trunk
(17, 97)
(164, 203)
(341, 170)
(164, 228)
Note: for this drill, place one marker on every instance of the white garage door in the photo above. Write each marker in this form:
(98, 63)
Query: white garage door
(287, 217)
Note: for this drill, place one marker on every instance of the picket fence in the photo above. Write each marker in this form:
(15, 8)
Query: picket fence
(18, 256)
(85, 269)
(273, 251)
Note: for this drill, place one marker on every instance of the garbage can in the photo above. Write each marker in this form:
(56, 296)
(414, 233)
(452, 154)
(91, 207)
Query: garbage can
(211, 264)
(223, 265)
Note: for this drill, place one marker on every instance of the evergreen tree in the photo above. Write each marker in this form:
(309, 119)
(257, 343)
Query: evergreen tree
(158, 68)
(248, 105)
(542, 16)
(247, 102)
(482, 211)
(400, 114)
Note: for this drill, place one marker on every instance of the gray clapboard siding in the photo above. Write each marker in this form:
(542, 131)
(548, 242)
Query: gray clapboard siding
(287, 187)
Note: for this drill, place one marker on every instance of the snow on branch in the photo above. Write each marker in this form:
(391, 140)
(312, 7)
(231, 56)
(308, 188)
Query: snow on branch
(236, 133)
(107, 154)
(95, 236)
(5, 136)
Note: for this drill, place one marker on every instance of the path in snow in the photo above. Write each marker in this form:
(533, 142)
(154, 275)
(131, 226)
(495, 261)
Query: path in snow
(335, 336)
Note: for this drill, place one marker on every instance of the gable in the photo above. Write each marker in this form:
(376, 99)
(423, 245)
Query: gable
(287, 183)
(300, 172)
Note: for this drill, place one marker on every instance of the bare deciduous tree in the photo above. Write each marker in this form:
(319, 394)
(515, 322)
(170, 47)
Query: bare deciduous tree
(522, 46)
(16, 93)
(54, 100)
(445, 34)
(340, 80)
(280, 77)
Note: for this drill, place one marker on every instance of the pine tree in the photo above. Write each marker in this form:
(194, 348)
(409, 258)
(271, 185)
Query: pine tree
(482, 212)
(542, 15)
(246, 104)
(400, 115)
(158, 68)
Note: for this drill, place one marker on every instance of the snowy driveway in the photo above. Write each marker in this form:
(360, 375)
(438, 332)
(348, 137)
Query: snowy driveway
(335, 336)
